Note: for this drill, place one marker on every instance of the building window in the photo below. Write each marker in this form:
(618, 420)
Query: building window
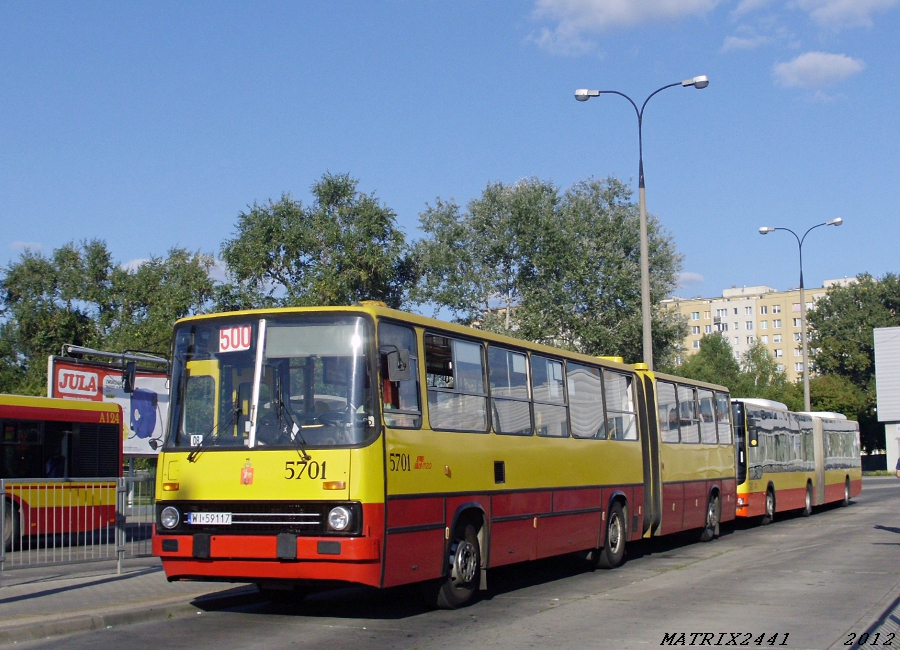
(695, 329)
(764, 309)
(749, 324)
(721, 313)
(764, 325)
(776, 323)
(809, 306)
(695, 345)
(764, 339)
(798, 367)
(797, 322)
(798, 352)
(797, 337)
(779, 367)
(795, 306)
(735, 311)
(695, 315)
(706, 315)
(708, 329)
(748, 311)
(737, 340)
(776, 338)
(749, 340)
(779, 353)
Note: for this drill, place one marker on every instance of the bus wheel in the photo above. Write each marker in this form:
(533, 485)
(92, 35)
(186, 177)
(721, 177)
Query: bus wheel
(769, 517)
(464, 570)
(807, 506)
(713, 515)
(10, 525)
(846, 501)
(614, 545)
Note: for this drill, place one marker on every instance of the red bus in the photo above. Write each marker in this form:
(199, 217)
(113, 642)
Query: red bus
(58, 463)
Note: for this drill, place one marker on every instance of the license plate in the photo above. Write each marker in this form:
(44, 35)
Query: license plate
(210, 518)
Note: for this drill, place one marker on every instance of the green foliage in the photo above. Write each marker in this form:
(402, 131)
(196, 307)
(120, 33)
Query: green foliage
(78, 295)
(842, 342)
(563, 269)
(713, 363)
(343, 248)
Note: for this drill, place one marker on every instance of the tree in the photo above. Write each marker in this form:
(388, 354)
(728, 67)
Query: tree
(713, 363)
(563, 269)
(78, 295)
(842, 342)
(343, 248)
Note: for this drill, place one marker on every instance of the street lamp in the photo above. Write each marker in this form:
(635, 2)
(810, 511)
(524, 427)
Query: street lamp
(582, 95)
(765, 230)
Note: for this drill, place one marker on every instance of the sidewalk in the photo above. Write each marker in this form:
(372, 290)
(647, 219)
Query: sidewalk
(46, 601)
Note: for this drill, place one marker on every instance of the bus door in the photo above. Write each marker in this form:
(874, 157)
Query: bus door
(819, 452)
(650, 454)
(740, 440)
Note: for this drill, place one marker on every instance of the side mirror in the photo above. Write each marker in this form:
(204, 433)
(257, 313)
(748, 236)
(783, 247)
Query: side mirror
(752, 434)
(128, 373)
(398, 365)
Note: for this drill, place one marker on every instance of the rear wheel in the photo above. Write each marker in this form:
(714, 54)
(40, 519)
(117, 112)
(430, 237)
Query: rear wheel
(713, 516)
(769, 517)
(846, 501)
(807, 506)
(464, 569)
(614, 545)
(10, 525)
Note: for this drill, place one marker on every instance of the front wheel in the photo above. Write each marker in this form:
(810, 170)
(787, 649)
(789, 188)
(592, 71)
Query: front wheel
(614, 545)
(464, 568)
(713, 516)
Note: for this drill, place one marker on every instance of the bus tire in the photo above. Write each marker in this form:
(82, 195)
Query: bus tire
(769, 517)
(713, 516)
(10, 525)
(846, 501)
(463, 571)
(807, 506)
(614, 544)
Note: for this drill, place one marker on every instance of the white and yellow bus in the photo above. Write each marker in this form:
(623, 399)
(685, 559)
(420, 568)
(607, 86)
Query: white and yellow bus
(793, 461)
(317, 446)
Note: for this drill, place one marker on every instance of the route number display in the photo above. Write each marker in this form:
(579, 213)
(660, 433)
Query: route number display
(235, 338)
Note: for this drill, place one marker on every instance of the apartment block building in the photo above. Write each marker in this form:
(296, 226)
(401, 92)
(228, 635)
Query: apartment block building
(746, 314)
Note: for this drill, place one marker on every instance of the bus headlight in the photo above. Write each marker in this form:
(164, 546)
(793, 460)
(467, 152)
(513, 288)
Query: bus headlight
(339, 518)
(169, 517)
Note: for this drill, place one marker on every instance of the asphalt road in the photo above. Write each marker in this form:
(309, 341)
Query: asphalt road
(814, 582)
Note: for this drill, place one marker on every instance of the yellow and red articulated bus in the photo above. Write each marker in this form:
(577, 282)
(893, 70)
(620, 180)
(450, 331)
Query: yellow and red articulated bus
(793, 461)
(317, 446)
(73, 444)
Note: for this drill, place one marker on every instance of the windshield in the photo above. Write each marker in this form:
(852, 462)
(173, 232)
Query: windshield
(307, 385)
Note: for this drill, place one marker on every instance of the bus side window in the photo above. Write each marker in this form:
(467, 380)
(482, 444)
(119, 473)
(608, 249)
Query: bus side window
(668, 411)
(402, 404)
(457, 394)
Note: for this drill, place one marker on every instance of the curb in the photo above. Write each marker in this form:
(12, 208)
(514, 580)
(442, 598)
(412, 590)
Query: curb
(87, 623)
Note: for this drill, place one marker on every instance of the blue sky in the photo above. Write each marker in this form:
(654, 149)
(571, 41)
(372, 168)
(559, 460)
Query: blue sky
(153, 125)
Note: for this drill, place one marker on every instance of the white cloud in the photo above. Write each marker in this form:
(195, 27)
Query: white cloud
(748, 6)
(577, 17)
(133, 265)
(25, 245)
(688, 278)
(816, 70)
(742, 43)
(844, 13)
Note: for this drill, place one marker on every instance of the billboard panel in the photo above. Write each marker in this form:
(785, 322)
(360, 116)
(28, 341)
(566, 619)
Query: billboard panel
(145, 410)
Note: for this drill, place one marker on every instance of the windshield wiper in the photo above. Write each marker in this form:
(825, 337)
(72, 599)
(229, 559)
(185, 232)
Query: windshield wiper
(216, 428)
(296, 437)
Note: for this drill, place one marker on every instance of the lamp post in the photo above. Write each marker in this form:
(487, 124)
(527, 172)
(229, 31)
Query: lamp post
(582, 95)
(766, 230)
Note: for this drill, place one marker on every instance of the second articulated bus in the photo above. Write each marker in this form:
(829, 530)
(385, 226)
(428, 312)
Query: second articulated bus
(318, 446)
(793, 461)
